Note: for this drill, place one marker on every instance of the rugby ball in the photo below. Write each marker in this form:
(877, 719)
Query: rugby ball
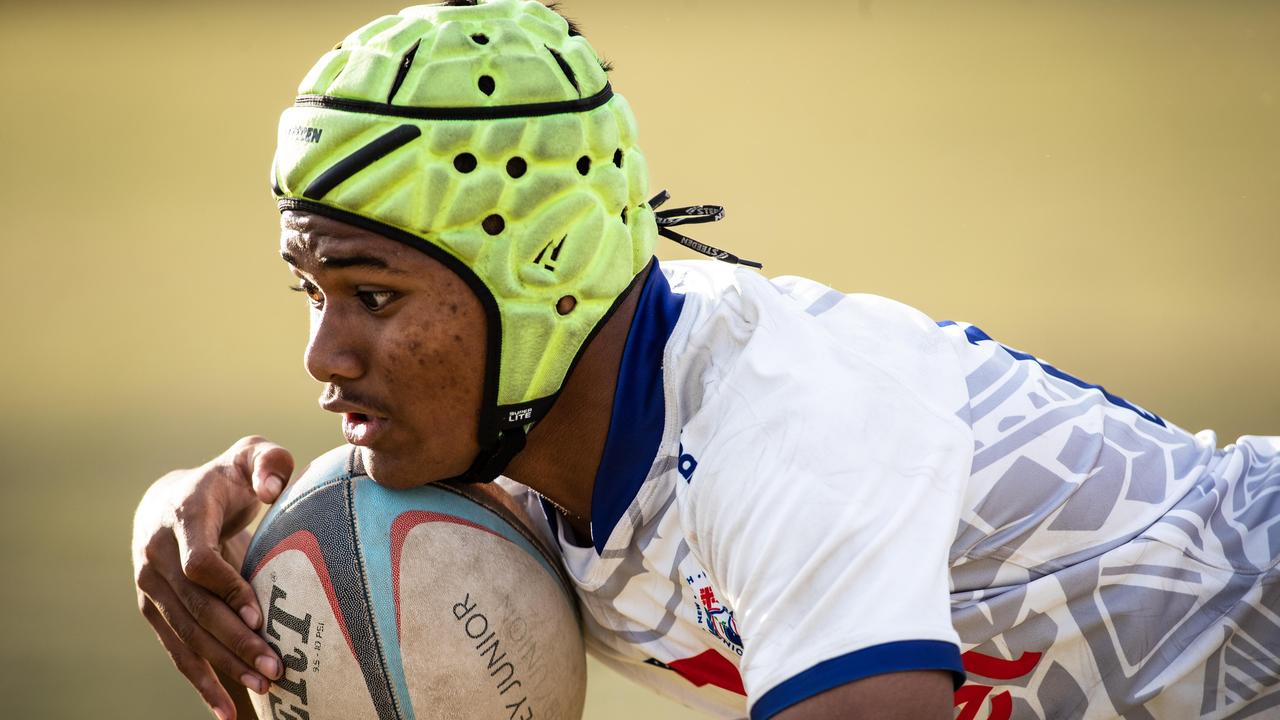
(431, 603)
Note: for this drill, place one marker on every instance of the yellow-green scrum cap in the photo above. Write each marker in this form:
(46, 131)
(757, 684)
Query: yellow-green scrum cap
(489, 137)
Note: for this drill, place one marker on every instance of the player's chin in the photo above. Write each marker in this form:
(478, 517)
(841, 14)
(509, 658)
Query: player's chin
(401, 470)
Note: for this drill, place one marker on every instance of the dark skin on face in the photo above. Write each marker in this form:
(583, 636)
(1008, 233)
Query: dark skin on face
(399, 340)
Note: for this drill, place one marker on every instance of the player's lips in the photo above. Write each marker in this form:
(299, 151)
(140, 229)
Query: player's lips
(361, 429)
(360, 426)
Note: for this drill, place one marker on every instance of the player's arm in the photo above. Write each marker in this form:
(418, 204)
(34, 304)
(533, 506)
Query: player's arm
(839, 581)
(188, 536)
(920, 695)
(823, 508)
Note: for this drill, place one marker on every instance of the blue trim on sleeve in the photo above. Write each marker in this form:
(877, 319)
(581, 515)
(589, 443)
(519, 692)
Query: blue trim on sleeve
(639, 407)
(974, 335)
(890, 657)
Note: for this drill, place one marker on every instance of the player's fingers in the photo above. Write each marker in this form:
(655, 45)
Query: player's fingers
(245, 709)
(207, 568)
(221, 603)
(266, 464)
(197, 529)
(183, 611)
(195, 669)
(225, 628)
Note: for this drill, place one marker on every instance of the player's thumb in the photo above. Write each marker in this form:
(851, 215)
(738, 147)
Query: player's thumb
(272, 466)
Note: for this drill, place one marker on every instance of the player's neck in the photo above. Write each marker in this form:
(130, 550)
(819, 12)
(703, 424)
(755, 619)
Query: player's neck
(563, 453)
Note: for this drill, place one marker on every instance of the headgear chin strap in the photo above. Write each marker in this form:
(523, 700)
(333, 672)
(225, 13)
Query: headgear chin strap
(489, 464)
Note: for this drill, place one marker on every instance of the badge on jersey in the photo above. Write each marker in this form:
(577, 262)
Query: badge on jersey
(714, 616)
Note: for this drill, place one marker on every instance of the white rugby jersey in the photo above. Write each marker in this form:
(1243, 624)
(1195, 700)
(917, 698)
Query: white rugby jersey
(802, 488)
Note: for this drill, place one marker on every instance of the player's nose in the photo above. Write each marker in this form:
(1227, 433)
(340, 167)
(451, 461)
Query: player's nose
(332, 350)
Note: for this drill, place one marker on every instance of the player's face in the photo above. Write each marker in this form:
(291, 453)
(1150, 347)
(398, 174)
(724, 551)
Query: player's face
(399, 342)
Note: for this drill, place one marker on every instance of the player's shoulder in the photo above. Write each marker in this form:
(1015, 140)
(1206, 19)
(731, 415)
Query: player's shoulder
(718, 292)
(791, 374)
(744, 331)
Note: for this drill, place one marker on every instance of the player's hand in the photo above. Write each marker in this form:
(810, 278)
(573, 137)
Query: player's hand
(188, 541)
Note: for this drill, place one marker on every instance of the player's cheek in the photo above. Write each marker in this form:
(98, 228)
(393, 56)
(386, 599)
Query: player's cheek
(422, 383)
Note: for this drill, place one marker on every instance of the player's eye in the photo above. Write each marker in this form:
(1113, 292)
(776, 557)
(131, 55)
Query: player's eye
(376, 300)
(314, 296)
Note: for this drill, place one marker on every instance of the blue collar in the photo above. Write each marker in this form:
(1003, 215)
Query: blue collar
(639, 407)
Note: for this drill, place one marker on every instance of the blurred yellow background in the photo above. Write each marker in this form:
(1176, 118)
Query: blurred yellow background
(1094, 182)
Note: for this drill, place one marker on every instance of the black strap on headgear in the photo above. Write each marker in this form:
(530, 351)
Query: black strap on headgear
(490, 462)
(693, 215)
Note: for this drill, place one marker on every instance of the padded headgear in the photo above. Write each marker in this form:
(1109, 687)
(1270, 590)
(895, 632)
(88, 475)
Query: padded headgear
(488, 137)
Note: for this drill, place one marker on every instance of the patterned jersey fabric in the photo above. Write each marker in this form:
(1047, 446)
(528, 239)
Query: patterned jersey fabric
(803, 488)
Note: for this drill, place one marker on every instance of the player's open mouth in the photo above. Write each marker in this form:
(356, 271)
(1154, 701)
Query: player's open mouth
(362, 429)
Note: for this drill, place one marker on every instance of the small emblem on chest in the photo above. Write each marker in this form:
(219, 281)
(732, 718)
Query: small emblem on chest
(713, 615)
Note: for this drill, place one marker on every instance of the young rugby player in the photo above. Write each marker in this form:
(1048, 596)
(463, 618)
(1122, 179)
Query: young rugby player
(775, 499)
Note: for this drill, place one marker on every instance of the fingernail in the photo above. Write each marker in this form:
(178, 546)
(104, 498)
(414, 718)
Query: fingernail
(274, 484)
(267, 666)
(221, 714)
(250, 616)
(253, 682)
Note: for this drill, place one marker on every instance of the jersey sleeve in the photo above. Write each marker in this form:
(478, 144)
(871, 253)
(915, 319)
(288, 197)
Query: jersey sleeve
(827, 487)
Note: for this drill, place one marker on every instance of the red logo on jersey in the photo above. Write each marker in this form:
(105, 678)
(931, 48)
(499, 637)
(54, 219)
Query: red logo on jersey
(970, 698)
(709, 668)
(708, 598)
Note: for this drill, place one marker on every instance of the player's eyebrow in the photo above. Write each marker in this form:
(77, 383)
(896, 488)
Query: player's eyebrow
(357, 260)
(347, 261)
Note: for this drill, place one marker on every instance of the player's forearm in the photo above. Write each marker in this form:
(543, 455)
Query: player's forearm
(924, 695)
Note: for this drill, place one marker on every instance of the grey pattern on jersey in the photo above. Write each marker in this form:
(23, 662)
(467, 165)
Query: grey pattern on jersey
(1105, 565)
(1127, 569)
